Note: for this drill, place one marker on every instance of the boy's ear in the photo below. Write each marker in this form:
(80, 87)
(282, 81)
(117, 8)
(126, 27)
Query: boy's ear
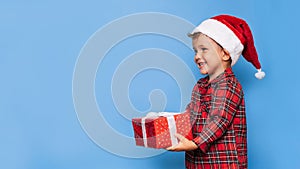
(226, 55)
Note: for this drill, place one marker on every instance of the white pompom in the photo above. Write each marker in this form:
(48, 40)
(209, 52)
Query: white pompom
(260, 74)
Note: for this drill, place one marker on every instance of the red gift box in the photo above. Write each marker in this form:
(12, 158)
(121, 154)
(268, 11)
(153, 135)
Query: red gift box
(158, 130)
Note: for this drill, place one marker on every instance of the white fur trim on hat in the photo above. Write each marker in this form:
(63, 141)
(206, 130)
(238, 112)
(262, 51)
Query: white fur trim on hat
(222, 35)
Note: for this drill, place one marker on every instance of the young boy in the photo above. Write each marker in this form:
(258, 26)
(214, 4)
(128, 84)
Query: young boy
(217, 108)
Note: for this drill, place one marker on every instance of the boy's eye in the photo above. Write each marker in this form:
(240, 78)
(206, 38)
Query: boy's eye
(204, 49)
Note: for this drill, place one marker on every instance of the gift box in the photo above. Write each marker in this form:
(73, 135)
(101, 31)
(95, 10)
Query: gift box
(157, 130)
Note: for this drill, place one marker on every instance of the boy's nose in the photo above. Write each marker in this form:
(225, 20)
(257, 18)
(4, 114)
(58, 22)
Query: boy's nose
(197, 56)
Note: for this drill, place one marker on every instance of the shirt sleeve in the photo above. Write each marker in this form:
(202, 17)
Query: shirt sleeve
(225, 99)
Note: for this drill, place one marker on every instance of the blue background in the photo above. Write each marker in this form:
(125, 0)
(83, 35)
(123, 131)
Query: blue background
(41, 40)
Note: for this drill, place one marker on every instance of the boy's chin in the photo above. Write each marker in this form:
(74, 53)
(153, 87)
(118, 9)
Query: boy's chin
(203, 72)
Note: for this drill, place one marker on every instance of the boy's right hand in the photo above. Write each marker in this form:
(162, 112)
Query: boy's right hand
(183, 145)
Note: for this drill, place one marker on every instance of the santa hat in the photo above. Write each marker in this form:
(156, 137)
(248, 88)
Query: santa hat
(234, 35)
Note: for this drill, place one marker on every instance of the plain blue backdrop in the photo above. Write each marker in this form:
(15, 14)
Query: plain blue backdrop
(40, 42)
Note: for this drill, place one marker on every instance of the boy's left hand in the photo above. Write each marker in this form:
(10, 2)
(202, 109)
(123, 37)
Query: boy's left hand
(183, 145)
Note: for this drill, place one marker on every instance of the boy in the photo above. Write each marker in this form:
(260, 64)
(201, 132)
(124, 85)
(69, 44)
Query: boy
(217, 109)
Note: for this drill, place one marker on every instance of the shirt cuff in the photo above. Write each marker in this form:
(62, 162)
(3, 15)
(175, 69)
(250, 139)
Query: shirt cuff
(201, 145)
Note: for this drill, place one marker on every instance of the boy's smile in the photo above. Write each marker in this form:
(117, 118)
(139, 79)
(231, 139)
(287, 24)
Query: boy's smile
(200, 64)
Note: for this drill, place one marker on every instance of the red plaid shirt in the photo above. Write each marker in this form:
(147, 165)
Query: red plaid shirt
(217, 112)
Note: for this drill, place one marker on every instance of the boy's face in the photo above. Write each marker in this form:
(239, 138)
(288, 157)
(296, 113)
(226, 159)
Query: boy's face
(208, 56)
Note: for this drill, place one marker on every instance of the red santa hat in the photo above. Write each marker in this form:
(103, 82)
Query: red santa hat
(234, 35)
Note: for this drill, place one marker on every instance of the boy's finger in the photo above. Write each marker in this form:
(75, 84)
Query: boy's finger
(170, 148)
(180, 137)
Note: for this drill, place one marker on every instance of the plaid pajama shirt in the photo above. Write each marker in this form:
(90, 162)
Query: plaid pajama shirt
(217, 112)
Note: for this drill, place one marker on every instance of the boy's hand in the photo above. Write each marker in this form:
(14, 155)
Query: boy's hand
(183, 145)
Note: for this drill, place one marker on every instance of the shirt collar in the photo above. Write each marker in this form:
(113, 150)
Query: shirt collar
(227, 73)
